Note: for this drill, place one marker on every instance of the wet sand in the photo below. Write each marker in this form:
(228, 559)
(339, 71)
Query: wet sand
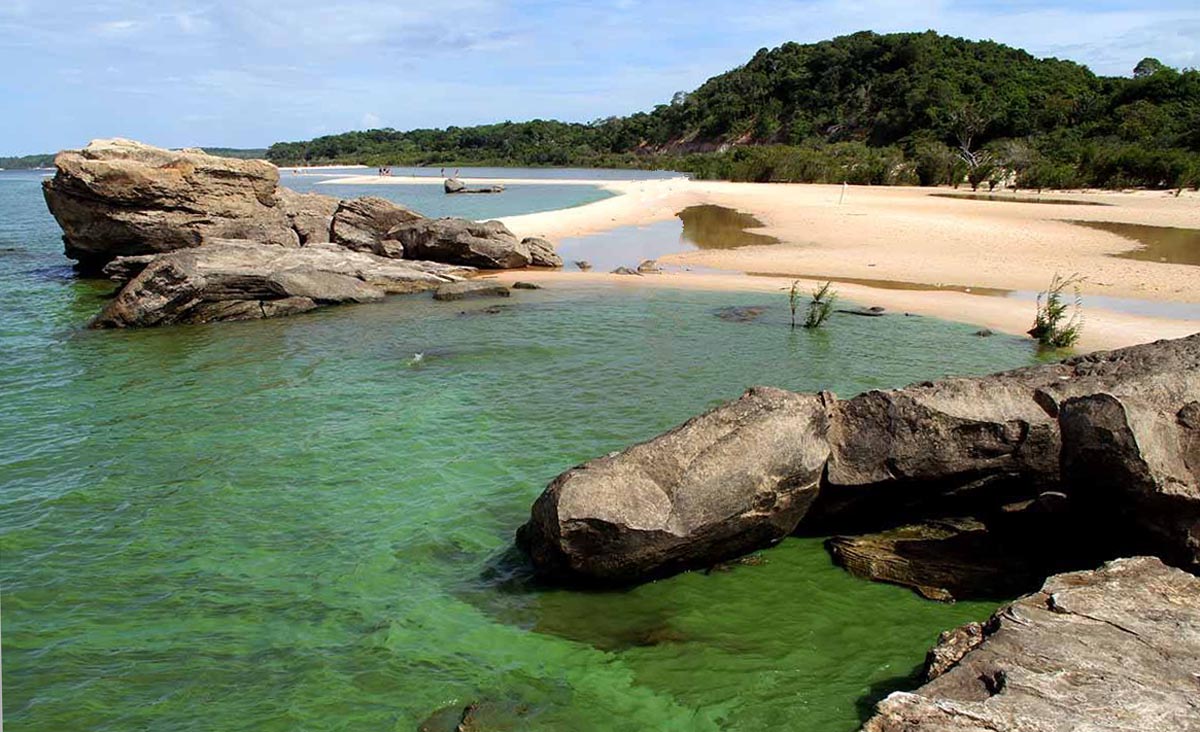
(907, 237)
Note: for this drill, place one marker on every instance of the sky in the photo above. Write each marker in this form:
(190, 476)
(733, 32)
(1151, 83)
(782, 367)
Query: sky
(246, 73)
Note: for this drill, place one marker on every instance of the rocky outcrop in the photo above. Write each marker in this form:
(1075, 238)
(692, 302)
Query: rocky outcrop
(119, 197)
(722, 484)
(241, 280)
(483, 244)
(957, 447)
(470, 289)
(1116, 648)
(541, 252)
(363, 224)
(310, 215)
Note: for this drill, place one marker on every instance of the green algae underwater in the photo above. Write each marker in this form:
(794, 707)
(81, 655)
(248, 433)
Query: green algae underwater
(298, 524)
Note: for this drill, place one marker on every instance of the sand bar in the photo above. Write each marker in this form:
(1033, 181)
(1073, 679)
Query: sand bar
(908, 235)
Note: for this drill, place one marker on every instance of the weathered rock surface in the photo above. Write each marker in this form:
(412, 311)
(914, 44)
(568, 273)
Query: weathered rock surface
(649, 266)
(310, 214)
(1116, 648)
(541, 252)
(951, 448)
(484, 244)
(470, 289)
(734, 479)
(119, 197)
(363, 224)
(240, 280)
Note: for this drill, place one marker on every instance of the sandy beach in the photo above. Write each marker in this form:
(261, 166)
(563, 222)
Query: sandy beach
(905, 237)
(909, 250)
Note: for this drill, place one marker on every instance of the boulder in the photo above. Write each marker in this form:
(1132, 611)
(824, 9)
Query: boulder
(649, 266)
(243, 280)
(737, 478)
(470, 289)
(626, 271)
(956, 447)
(1114, 648)
(519, 285)
(454, 185)
(310, 214)
(363, 224)
(541, 252)
(486, 244)
(583, 265)
(118, 197)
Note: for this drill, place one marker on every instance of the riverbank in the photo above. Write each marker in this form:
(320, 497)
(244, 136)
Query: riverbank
(903, 248)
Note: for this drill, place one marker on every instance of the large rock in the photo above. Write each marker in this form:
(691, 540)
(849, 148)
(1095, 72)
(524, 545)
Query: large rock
(484, 244)
(470, 289)
(241, 280)
(957, 447)
(119, 197)
(310, 215)
(541, 252)
(724, 483)
(1116, 648)
(362, 224)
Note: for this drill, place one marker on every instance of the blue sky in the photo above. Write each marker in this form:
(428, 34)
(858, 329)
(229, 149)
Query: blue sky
(245, 73)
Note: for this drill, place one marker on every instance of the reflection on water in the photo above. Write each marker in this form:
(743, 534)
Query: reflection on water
(703, 227)
(1018, 199)
(718, 227)
(1159, 243)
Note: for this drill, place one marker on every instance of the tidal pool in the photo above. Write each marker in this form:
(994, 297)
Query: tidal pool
(297, 524)
(1158, 243)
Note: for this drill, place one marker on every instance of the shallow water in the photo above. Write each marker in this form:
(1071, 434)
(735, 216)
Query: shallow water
(431, 200)
(293, 524)
(1158, 243)
(695, 227)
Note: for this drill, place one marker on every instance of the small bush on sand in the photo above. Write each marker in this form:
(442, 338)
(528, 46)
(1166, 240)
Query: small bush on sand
(1053, 327)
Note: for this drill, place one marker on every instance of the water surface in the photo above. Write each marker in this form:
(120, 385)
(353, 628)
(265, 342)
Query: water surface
(1158, 243)
(295, 524)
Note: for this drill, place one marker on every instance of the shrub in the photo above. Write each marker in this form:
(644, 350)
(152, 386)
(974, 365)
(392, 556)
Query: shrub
(1052, 327)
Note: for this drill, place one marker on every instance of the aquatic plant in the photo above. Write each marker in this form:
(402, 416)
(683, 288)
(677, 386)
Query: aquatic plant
(820, 307)
(1052, 326)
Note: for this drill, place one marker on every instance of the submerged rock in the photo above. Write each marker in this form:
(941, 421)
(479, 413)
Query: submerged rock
(1110, 649)
(957, 447)
(871, 312)
(470, 289)
(740, 313)
(727, 482)
(240, 280)
(119, 197)
(526, 286)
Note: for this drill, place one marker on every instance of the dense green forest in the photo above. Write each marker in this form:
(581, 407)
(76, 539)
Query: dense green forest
(46, 160)
(907, 108)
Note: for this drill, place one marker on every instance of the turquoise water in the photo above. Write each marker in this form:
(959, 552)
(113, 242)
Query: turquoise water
(291, 525)
(431, 200)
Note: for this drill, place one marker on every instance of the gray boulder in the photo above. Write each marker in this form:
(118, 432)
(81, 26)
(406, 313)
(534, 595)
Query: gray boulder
(241, 280)
(1111, 649)
(118, 197)
(454, 185)
(957, 447)
(310, 214)
(363, 224)
(483, 244)
(737, 478)
(470, 289)
(541, 252)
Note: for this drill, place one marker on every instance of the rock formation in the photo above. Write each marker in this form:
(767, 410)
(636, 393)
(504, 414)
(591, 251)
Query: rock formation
(119, 197)
(1116, 648)
(122, 204)
(486, 244)
(470, 289)
(241, 280)
(955, 448)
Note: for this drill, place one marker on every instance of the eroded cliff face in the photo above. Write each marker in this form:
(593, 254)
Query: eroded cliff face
(1106, 443)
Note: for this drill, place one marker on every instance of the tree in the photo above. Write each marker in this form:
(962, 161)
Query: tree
(1147, 67)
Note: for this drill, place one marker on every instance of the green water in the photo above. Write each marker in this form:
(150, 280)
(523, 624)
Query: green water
(291, 525)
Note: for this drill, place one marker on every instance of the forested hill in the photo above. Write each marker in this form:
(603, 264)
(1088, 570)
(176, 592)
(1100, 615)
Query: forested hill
(899, 108)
